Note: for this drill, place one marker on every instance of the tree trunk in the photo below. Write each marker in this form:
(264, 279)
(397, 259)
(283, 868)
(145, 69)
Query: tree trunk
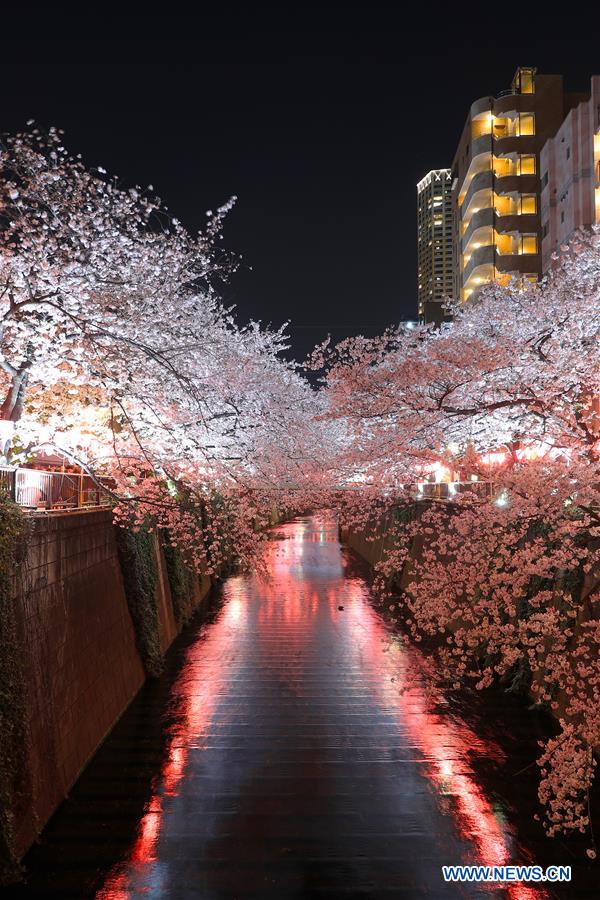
(12, 408)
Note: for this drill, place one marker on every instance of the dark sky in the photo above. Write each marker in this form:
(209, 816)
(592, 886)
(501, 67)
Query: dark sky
(320, 119)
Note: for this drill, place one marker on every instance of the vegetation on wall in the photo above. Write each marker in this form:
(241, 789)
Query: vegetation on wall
(138, 564)
(13, 720)
(181, 582)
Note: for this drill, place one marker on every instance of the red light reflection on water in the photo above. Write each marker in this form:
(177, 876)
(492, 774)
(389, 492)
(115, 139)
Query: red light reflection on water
(445, 743)
(393, 673)
(208, 664)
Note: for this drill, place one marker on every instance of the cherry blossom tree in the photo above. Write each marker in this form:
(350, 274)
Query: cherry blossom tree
(115, 348)
(500, 578)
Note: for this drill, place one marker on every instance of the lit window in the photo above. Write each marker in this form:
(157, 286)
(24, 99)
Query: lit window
(528, 204)
(526, 124)
(529, 243)
(527, 165)
(526, 81)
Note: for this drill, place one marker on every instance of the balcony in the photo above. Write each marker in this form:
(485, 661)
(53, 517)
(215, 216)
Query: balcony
(514, 164)
(482, 256)
(512, 102)
(514, 143)
(483, 105)
(498, 258)
(482, 144)
(480, 276)
(481, 237)
(516, 222)
(479, 219)
(502, 123)
(480, 181)
(503, 224)
(512, 183)
(518, 263)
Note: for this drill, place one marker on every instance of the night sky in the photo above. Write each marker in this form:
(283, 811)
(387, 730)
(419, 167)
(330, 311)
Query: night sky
(319, 119)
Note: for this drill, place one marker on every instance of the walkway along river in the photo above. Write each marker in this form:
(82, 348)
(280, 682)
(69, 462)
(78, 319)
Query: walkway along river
(294, 750)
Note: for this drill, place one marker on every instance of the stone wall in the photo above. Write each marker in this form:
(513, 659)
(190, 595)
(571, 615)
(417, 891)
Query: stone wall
(82, 666)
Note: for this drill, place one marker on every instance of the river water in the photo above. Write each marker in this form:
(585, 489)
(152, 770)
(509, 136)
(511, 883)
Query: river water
(294, 749)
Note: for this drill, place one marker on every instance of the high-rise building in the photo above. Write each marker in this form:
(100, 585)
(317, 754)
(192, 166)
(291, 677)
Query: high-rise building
(570, 175)
(434, 244)
(496, 181)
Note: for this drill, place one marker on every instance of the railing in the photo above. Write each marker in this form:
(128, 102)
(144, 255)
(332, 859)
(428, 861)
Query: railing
(36, 489)
(447, 490)
(39, 489)
(443, 490)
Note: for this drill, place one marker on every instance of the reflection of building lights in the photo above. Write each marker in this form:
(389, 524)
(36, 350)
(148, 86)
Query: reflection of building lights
(233, 611)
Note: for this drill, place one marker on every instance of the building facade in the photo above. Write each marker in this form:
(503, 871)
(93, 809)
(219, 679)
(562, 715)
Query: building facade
(570, 176)
(434, 244)
(496, 188)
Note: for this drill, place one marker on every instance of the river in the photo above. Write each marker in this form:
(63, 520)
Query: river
(294, 748)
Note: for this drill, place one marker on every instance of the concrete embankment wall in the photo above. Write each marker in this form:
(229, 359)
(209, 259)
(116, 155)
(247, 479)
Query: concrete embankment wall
(371, 545)
(82, 667)
(373, 542)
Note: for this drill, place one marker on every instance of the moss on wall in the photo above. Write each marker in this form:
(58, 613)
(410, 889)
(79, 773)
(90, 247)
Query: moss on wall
(13, 719)
(138, 564)
(181, 582)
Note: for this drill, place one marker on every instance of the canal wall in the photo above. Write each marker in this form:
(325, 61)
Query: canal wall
(81, 665)
(375, 540)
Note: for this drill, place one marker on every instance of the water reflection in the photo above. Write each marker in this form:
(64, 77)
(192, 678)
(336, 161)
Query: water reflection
(445, 746)
(196, 695)
(307, 753)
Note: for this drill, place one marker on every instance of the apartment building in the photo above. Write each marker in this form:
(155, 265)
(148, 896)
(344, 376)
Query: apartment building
(570, 175)
(434, 244)
(496, 190)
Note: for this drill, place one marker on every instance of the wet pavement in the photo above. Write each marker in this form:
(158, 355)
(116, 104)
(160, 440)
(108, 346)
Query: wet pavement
(292, 750)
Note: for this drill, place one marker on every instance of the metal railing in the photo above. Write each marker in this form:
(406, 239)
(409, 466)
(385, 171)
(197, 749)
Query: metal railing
(448, 490)
(39, 489)
(439, 490)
